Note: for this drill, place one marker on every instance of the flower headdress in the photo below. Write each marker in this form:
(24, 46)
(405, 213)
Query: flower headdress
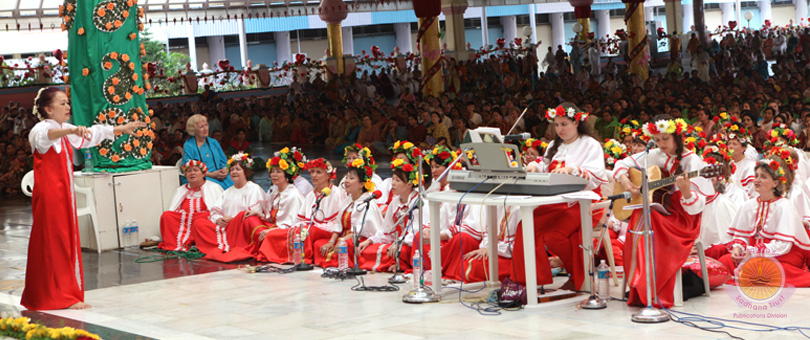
(408, 149)
(242, 158)
(533, 143)
(35, 110)
(736, 131)
(694, 140)
(443, 156)
(291, 161)
(784, 154)
(781, 131)
(614, 151)
(193, 163)
(670, 126)
(364, 153)
(323, 164)
(571, 113)
(631, 128)
(719, 148)
(776, 167)
(367, 172)
(410, 171)
(722, 117)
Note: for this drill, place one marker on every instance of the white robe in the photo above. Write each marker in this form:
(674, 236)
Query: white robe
(250, 197)
(780, 224)
(585, 156)
(211, 193)
(287, 203)
(327, 212)
(508, 220)
(751, 153)
(373, 219)
(800, 199)
(304, 187)
(396, 216)
(714, 222)
(744, 175)
(38, 137)
(736, 193)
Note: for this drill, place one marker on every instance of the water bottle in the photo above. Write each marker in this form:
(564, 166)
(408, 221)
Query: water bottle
(126, 235)
(343, 255)
(602, 282)
(133, 230)
(298, 246)
(88, 161)
(417, 270)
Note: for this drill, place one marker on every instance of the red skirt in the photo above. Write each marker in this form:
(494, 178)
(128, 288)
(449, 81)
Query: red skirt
(425, 248)
(375, 258)
(673, 236)
(238, 241)
(175, 229)
(477, 270)
(453, 254)
(277, 246)
(794, 263)
(557, 227)
(617, 247)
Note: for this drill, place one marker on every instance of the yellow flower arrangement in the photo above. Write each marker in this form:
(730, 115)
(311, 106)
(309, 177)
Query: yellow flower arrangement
(283, 164)
(357, 162)
(23, 328)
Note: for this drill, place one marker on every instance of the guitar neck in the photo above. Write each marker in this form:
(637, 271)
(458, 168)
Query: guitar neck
(664, 182)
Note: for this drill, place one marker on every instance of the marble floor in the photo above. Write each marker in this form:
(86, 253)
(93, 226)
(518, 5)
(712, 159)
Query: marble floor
(198, 299)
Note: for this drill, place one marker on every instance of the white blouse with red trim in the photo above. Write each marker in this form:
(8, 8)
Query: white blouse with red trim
(584, 155)
(770, 227)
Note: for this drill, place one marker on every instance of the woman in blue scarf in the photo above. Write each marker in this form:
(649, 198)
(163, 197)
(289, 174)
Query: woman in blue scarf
(206, 149)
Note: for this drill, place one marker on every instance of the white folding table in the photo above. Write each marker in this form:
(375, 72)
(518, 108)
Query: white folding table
(527, 205)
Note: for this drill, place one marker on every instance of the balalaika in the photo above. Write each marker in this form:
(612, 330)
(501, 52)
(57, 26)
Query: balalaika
(517, 183)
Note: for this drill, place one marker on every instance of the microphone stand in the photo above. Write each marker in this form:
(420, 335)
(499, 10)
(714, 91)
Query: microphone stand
(303, 265)
(356, 237)
(399, 277)
(595, 301)
(422, 294)
(649, 314)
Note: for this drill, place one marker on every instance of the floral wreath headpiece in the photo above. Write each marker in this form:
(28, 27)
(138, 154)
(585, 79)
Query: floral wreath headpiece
(193, 163)
(781, 130)
(364, 153)
(694, 139)
(534, 143)
(408, 148)
(410, 171)
(242, 158)
(736, 131)
(722, 117)
(614, 151)
(784, 154)
(323, 164)
(631, 128)
(291, 161)
(719, 148)
(443, 156)
(560, 111)
(368, 172)
(776, 167)
(670, 126)
(35, 110)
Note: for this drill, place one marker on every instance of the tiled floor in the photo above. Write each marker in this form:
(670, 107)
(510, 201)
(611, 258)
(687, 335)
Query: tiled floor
(181, 299)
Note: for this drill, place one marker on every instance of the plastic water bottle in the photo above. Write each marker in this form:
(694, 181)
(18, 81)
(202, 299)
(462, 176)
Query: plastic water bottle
(133, 230)
(417, 270)
(126, 234)
(343, 255)
(298, 246)
(88, 161)
(602, 281)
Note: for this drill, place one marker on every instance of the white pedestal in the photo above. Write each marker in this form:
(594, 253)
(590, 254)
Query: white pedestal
(141, 196)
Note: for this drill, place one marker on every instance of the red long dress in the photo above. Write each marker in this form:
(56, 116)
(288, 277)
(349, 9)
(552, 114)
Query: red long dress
(54, 276)
(176, 224)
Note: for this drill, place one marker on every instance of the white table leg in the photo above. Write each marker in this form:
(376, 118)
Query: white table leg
(435, 247)
(527, 214)
(587, 240)
(492, 247)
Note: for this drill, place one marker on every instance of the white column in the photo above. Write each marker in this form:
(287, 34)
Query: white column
(216, 50)
(602, 23)
(738, 16)
(509, 24)
(192, 46)
(283, 49)
(348, 41)
(403, 33)
(649, 14)
(533, 22)
(765, 11)
(557, 30)
(727, 12)
(801, 11)
(484, 27)
(688, 19)
(240, 27)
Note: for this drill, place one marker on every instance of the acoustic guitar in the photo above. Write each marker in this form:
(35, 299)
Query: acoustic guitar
(657, 186)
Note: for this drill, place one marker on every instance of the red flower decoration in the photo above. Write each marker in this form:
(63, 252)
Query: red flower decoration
(774, 165)
(298, 156)
(407, 167)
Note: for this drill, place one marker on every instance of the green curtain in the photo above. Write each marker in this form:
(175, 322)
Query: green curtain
(106, 78)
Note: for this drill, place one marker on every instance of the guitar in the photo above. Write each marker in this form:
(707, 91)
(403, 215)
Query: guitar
(655, 183)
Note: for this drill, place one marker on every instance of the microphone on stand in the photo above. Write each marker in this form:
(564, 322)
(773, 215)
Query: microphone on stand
(625, 196)
(374, 195)
(651, 144)
(303, 266)
(325, 192)
(356, 236)
(520, 136)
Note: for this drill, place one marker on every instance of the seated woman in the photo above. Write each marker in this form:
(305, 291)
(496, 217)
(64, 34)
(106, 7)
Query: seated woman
(720, 207)
(358, 186)
(378, 252)
(231, 232)
(558, 227)
(676, 232)
(299, 182)
(533, 150)
(190, 203)
(409, 154)
(743, 169)
(284, 203)
(206, 149)
(778, 233)
(357, 151)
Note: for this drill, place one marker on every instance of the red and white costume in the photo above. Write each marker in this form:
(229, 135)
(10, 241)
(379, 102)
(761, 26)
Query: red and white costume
(477, 270)
(744, 174)
(54, 277)
(188, 205)
(774, 229)
(238, 240)
(558, 226)
(397, 220)
(323, 222)
(349, 221)
(674, 234)
(281, 214)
